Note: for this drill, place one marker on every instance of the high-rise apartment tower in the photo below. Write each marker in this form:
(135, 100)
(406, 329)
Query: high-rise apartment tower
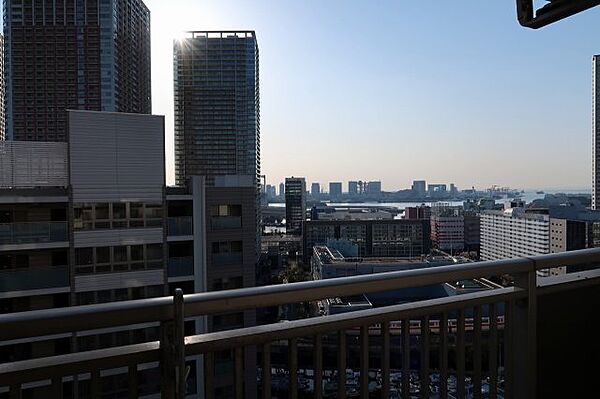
(73, 54)
(596, 132)
(217, 124)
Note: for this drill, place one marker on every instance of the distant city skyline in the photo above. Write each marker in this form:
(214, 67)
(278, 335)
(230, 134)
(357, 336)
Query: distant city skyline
(466, 96)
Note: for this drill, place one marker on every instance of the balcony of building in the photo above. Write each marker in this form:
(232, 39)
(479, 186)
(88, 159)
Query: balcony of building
(18, 281)
(33, 233)
(523, 340)
(35, 226)
(180, 262)
(180, 220)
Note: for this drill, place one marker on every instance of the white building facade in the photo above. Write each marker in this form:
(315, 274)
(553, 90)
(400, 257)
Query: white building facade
(513, 233)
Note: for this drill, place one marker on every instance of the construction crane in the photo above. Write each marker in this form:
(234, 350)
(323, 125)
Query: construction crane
(554, 11)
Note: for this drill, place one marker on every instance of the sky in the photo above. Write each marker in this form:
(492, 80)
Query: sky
(400, 90)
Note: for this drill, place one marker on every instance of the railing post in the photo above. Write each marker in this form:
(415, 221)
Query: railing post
(179, 333)
(524, 336)
(172, 362)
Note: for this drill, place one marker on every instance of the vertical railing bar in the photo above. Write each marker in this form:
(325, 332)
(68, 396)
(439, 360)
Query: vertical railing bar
(493, 348)
(508, 346)
(385, 360)
(15, 391)
(132, 378)
(96, 384)
(444, 356)
(179, 338)
(57, 387)
(293, 365)
(266, 371)
(477, 352)
(460, 354)
(406, 359)
(342, 364)
(424, 377)
(209, 375)
(318, 358)
(364, 362)
(532, 330)
(239, 372)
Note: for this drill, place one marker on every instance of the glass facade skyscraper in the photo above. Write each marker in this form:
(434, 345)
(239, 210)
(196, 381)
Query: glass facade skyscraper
(73, 54)
(217, 113)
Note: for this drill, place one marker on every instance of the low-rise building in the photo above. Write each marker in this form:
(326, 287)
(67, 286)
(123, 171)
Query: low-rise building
(327, 263)
(448, 228)
(396, 237)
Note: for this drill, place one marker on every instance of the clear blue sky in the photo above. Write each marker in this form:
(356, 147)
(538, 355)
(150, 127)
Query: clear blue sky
(399, 90)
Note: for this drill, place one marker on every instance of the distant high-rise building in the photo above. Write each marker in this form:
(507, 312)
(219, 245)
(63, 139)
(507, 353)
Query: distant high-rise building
(281, 189)
(419, 187)
(373, 187)
(86, 55)
(295, 204)
(353, 188)
(270, 191)
(217, 123)
(335, 189)
(436, 189)
(315, 190)
(596, 132)
(2, 110)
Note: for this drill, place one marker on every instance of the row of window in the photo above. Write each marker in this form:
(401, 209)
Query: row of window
(118, 215)
(120, 258)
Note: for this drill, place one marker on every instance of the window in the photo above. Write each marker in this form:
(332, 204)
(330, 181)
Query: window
(103, 255)
(226, 210)
(84, 256)
(154, 252)
(136, 214)
(120, 254)
(119, 215)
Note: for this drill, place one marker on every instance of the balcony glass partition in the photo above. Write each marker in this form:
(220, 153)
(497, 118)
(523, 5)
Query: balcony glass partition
(33, 232)
(180, 226)
(34, 278)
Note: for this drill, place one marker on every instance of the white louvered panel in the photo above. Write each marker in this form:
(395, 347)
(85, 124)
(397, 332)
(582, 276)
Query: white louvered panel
(33, 164)
(111, 281)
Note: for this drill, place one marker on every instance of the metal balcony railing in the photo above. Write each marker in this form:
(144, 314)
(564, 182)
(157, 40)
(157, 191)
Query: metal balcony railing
(179, 226)
(33, 232)
(453, 324)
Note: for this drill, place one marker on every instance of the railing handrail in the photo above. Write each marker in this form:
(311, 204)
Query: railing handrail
(81, 362)
(86, 317)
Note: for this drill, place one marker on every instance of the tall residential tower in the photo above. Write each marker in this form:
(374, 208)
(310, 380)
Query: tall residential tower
(596, 132)
(217, 123)
(73, 54)
(295, 204)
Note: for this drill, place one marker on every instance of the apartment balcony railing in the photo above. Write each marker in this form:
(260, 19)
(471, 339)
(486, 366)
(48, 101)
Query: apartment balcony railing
(179, 226)
(181, 266)
(525, 329)
(227, 258)
(33, 232)
(225, 222)
(37, 278)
